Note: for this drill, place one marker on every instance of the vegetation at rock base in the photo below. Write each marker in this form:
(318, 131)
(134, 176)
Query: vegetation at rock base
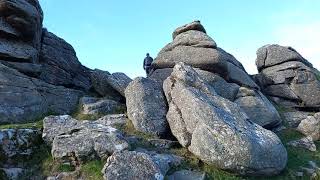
(35, 125)
(92, 170)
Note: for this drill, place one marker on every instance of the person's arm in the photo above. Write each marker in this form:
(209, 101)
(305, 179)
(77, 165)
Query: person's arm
(144, 62)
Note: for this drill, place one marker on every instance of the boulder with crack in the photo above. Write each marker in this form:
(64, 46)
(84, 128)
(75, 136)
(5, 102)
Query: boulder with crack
(217, 130)
(110, 85)
(287, 77)
(146, 106)
(79, 141)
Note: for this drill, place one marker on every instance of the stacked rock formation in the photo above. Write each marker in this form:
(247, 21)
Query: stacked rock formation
(287, 77)
(220, 69)
(203, 95)
(39, 72)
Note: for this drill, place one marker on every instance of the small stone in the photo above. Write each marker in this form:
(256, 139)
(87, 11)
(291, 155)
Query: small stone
(305, 143)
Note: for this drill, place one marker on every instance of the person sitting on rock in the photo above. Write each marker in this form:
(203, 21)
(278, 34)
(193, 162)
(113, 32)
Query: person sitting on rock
(147, 63)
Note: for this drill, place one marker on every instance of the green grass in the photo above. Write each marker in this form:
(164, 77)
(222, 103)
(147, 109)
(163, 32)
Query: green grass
(318, 75)
(66, 168)
(282, 109)
(92, 170)
(191, 162)
(129, 130)
(35, 125)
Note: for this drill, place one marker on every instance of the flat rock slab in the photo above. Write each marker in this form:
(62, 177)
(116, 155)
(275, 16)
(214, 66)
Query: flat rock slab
(306, 143)
(136, 165)
(79, 141)
(100, 106)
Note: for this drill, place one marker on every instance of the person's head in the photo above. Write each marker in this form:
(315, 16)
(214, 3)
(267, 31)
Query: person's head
(148, 54)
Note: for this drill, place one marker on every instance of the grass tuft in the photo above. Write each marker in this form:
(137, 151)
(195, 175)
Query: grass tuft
(92, 170)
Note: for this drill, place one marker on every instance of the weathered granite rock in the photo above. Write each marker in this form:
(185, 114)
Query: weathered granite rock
(194, 47)
(195, 25)
(140, 164)
(79, 141)
(164, 161)
(258, 107)
(60, 65)
(18, 144)
(101, 85)
(270, 55)
(285, 74)
(146, 106)
(25, 99)
(110, 85)
(293, 119)
(311, 127)
(39, 72)
(98, 106)
(131, 165)
(20, 30)
(222, 87)
(113, 119)
(163, 143)
(187, 175)
(216, 130)
(11, 173)
(306, 143)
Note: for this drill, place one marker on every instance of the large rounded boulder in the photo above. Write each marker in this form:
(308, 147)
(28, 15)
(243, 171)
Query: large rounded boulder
(217, 130)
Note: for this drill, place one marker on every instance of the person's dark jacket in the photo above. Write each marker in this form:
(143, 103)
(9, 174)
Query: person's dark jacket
(147, 62)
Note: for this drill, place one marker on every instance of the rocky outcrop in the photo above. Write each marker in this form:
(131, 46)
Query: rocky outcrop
(26, 99)
(80, 141)
(16, 147)
(287, 77)
(39, 72)
(18, 143)
(217, 130)
(100, 107)
(146, 106)
(292, 119)
(60, 65)
(258, 107)
(218, 68)
(110, 85)
(138, 165)
(194, 47)
(305, 142)
(20, 30)
(311, 127)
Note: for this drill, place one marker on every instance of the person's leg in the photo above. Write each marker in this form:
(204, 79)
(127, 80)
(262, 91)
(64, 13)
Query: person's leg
(147, 70)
